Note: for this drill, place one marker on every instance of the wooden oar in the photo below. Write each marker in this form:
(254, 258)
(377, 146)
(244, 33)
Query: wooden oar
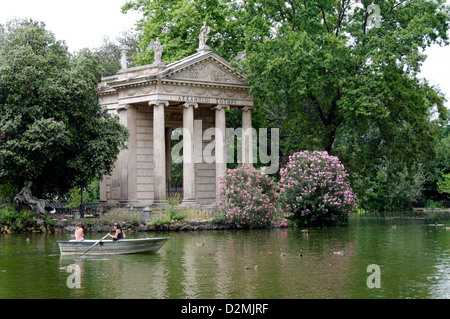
(95, 244)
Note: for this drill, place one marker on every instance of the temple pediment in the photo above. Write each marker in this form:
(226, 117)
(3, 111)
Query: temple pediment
(205, 78)
(209, 69)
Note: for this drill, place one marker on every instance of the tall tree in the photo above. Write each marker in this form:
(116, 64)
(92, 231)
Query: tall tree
(342, 76)
(324, 65)
(52, 129)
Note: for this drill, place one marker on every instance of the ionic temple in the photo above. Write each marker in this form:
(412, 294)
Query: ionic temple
(154, 100)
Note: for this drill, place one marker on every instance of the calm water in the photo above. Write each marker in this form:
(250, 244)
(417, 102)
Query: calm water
(413, 258)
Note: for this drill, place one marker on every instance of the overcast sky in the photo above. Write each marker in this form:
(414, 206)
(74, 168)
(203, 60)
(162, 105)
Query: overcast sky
(80, 23)
(84, 23)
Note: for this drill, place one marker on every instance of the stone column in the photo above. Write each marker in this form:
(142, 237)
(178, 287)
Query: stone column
(122, 161)
(103, 189)
(220, 146)
(168, 159)
(189, 182)
(159, 151)
(247, 139)
(131, 157)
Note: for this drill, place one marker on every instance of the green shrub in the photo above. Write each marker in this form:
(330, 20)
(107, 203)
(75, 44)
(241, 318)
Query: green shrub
(429, 203)
(173, 211)
(8, 191)
(444, 184)
(9, 216)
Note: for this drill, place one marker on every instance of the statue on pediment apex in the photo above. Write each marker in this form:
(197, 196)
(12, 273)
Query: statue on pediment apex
(203, 37)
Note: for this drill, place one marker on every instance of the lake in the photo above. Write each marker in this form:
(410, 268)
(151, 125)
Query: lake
(411, 260)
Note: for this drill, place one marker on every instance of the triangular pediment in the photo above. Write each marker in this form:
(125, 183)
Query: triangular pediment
(208, 69)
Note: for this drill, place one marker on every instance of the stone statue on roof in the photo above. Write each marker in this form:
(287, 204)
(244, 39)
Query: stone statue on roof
(123, 59)
(158, 48)
(203, 37)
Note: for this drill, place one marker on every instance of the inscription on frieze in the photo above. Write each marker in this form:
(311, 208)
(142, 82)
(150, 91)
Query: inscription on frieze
(206, 100)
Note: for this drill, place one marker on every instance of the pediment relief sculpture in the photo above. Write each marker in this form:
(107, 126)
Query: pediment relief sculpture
(207, 72)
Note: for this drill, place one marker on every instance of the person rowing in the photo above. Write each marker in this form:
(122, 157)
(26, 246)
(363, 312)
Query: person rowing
(79, 232)
(119, 233)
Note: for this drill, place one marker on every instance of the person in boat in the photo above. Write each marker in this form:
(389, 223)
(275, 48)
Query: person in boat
(79, 232)
(119, 233)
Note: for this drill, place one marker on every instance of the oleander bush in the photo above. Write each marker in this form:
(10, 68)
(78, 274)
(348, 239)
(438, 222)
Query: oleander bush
(314, 189)
(248, 198)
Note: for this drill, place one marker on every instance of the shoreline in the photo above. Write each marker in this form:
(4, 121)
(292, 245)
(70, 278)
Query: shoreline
(59, 224)
(63, 226)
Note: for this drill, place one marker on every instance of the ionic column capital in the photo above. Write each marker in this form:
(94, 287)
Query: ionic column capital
(247, 109)
(221, 106)
(158, 103)
(189, 104)
(121, 107)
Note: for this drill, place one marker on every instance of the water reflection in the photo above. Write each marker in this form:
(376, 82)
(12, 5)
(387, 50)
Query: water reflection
(413, 259)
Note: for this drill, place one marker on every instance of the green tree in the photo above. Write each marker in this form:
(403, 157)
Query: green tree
(177, 24)
(321, 67)
(334, 80)
(439, 166)
(444, 184)
(52, 129)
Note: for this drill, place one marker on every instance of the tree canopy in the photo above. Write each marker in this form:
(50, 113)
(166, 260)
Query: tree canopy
(52, 130)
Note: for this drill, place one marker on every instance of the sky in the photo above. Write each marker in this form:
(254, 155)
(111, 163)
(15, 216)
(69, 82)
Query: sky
(80, 23)
(84, 23)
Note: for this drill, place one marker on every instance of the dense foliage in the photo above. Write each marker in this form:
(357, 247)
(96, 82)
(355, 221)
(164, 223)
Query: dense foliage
(10, 217)
(52, 130)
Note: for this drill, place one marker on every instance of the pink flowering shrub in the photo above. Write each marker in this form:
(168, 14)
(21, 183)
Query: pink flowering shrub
(249, 198)
(315, 190)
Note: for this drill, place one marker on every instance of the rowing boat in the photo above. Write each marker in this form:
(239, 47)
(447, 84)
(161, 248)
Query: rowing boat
(110, 247)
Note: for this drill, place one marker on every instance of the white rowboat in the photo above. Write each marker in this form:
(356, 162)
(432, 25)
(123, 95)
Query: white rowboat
(110, 247)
